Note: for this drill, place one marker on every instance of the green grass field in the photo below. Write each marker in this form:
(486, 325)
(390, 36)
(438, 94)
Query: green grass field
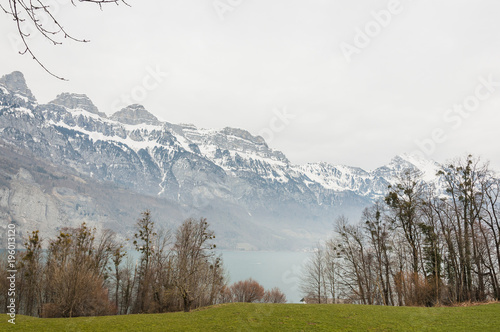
(281, 317)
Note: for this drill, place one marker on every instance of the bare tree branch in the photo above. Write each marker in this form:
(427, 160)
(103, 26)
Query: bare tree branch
(33, 13)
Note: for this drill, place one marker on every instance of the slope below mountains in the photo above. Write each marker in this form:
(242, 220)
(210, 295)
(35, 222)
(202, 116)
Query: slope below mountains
(65, 162)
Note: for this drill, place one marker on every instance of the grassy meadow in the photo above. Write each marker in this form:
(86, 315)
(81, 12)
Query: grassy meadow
(281, 317)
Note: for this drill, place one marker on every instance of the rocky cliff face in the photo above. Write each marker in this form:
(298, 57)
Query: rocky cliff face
(74, 101)
(135, 114)
(16, 85)
(250, 192)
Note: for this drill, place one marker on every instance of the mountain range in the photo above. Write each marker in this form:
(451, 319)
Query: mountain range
(65, 162)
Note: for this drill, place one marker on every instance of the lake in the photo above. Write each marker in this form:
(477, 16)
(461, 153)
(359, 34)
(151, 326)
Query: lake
(282, 269)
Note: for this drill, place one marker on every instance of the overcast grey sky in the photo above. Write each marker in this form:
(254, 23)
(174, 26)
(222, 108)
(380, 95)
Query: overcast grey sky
(347, 82)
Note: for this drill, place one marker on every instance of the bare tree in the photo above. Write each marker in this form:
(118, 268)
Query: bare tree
(332, 268)
(32, 273)
(247, 291)
(433, 244)
(118, 254)
(128, 277)
(4, 283)
(404, 200)
(274, 295)
(379, 238)
(465, 179)
(144, 239)
(73, 277)
(490, 230)
(162, 276)
(39, 16)
(193, 255)
(313, 283)
(357, 272)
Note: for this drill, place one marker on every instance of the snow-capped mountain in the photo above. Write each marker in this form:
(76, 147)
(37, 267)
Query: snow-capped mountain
(65, 162)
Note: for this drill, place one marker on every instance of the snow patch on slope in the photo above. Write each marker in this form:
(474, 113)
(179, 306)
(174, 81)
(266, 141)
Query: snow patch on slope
(97, 136)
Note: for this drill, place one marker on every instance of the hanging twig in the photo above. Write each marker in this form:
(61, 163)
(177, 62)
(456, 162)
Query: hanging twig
(31, 13)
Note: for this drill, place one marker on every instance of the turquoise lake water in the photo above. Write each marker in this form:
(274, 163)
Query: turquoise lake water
(282, 269)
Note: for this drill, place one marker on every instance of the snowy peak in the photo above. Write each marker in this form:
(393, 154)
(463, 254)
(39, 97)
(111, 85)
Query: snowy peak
(225, 147)
(74, 101)
(16, 84)
(429, 168)
(135, 114)
(343, 178)
(371, 184)
(334, 171)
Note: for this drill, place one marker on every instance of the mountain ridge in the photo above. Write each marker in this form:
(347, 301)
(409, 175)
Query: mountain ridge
(255, 196)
